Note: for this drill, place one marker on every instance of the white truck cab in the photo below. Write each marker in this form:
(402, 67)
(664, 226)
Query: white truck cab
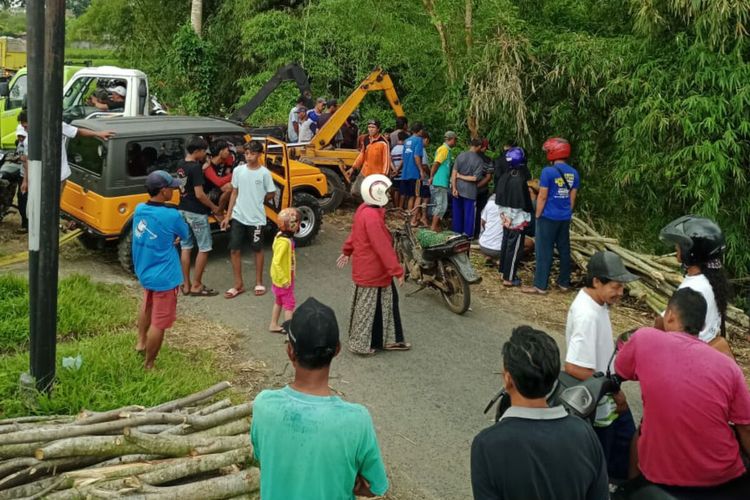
(96, 93)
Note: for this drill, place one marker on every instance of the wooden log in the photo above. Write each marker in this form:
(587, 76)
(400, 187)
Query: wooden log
(243, 482)
(233, 428)
(219, 405)
(43, 468)
(37, 418)
(18, 450)
(587, 238)
(70, 431)
(137, 443)
(88, 418)
(13, 464)
(32, 490)
(126, 459)
(192, 398)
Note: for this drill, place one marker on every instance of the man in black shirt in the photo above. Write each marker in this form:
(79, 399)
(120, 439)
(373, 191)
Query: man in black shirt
(195, 207)
(535, 452)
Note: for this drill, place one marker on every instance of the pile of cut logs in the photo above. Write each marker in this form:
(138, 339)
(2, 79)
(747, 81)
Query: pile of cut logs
(186, 449)
(660, 275)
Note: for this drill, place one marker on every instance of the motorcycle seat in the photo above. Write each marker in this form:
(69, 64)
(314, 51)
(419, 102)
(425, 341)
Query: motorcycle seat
(429, 239)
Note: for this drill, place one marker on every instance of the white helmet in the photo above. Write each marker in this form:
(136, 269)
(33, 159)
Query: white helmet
(374, 189)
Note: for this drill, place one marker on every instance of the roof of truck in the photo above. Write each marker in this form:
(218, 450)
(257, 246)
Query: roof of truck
(161, 125)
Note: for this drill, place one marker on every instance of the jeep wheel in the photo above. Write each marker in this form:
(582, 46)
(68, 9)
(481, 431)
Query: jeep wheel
(91, 242)
(125, 250)
(311, 217)
(336, 190)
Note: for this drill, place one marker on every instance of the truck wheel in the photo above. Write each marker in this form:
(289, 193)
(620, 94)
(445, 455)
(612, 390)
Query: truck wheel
(125, 250)
(311, 217)
(336, 191)
(91, 242)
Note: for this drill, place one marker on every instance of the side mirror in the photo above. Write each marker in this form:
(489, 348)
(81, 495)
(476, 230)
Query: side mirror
(4, 89)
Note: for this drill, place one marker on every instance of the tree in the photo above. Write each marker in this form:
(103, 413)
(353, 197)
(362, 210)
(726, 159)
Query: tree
(196, 16)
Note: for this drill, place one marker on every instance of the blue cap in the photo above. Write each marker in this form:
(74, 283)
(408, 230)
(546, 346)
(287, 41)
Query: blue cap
(159, 179)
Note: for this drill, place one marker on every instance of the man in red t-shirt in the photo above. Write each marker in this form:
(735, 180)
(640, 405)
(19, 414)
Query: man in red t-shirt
(218, 174)
(692, 394)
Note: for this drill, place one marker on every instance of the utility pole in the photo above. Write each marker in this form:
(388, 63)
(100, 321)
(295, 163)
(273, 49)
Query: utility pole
(46, 22)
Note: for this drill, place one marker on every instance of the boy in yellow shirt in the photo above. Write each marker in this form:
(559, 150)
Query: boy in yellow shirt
(283, 266)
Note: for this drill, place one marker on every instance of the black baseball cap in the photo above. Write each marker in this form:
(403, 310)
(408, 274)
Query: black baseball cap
(160, 179)
(609, 265)
(313, 328)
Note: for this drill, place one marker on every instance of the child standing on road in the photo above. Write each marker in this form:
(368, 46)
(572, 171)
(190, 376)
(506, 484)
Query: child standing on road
(283, 267)
(157, 265)
(252, 186)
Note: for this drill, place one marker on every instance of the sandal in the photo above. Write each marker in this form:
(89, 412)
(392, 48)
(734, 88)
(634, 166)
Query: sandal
(183, 288)
(279, 331)
(397, 346)
(204, 292)
(259, 290)
(533, 289)
(233, 292)
(371, 352)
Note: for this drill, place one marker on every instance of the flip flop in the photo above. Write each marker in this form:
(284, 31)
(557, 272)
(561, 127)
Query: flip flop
(280, 331)
(397, 346)
(534, 290)
(259, 290)
(233, 292)
(182, 289)
(204, 292)
(371, 352)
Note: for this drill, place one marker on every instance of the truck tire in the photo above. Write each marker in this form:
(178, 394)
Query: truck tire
(91, 242)
(125, 250)
(311, 217)
(336, 190)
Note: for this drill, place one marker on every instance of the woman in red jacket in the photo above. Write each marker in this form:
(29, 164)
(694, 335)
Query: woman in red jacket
(375, 321)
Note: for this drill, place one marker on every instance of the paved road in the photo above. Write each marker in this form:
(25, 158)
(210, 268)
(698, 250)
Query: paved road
(426, 403)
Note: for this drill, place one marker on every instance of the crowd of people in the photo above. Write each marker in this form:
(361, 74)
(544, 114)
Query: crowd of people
(312, 444)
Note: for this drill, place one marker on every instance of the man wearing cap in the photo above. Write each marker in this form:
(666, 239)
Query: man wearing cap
(157, 266)
(310, 443)
(440, 178)
(588, 335)
(373, 158)
(115, 101)
(316, 111)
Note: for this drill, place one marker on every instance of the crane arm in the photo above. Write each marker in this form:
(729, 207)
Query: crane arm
(290, 72)
(377, 80)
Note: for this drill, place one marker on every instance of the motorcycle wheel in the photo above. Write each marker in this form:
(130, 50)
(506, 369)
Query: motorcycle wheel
(458, 298)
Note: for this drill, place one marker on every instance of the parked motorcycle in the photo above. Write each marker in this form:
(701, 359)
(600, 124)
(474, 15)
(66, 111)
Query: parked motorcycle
(10, 182)
(436, 260)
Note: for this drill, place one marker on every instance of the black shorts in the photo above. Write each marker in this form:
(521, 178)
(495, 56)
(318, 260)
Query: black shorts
(408, 187)
(239, 232)
(424, 189)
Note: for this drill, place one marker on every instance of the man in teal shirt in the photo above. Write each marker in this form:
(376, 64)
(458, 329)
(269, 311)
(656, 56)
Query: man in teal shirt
(310, 444)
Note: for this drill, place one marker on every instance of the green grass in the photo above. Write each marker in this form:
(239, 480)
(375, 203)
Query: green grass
(111, 376)
(84, 308)
(98, 57)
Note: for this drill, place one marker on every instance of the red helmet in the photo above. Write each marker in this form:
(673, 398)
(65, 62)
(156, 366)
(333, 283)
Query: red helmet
(556, 148)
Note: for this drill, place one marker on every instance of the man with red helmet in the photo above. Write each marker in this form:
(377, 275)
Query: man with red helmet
(558, 187)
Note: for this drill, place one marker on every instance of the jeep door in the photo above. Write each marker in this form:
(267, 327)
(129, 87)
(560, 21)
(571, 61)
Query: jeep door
(81, 199)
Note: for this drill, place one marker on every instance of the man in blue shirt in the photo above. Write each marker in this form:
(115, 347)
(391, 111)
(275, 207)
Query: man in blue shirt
(310, 444)
(411, 167)
(156, 262)
(558, 187)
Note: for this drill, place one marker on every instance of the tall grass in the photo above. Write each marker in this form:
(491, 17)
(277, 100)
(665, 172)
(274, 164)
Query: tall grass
(110, 376)
(84, 308)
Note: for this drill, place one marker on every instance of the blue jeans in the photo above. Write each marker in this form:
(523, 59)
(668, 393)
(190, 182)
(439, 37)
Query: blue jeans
(551, 234)
(463, 215)
(615, 440)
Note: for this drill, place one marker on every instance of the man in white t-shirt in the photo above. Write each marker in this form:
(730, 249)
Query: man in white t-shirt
(252, 186)
(292, 129)
(491, 237)
(590, 349)
(307, 130)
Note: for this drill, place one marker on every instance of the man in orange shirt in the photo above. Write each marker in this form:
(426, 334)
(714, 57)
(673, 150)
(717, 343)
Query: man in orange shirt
(374, 157)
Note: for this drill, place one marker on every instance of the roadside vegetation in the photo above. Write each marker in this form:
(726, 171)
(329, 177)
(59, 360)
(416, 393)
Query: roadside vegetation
(650, 93)
(95, 323)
